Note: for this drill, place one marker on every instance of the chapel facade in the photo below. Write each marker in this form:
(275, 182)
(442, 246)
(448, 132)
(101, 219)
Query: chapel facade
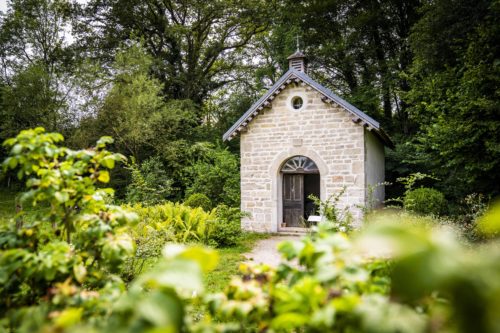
(300, 139)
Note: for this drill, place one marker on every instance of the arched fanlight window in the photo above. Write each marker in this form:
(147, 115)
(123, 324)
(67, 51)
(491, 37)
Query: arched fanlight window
(299, 164)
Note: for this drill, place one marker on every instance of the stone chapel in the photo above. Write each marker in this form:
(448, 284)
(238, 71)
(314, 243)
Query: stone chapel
(300, 139)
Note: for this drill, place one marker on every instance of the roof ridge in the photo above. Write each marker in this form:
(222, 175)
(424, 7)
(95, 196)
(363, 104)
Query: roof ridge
(283, 81)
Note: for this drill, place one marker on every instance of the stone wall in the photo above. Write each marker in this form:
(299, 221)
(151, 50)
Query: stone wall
(374, 170)
(323, 132)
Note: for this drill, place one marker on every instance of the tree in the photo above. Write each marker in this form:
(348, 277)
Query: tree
(35, 32)
(358, 48)
(30, 101)
(196, 45)
(215, 174)
(36, 61)
(454, 95)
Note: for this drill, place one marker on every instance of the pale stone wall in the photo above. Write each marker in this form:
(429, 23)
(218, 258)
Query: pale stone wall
(374, 169)
(323, 132)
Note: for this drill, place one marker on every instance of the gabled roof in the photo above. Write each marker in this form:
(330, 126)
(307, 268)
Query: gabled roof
(293, 75)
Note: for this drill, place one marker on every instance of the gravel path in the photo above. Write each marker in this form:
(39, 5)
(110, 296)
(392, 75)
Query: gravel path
(265, 252)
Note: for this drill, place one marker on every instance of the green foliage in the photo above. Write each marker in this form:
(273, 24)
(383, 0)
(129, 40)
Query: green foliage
(336, 218)
(427, 201)
(188, 224)
(339, 285)
(150, 183)
(226, 229)
(489, 223)
(174, 221)
(216, 175)
(30, 101)
(51, 262)
(131, 103)
(199, 200)
(454, 95)
(400, 274)
(170, 289)
(191, 58)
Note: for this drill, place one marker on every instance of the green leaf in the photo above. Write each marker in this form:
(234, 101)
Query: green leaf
(11, 162)
(206, 258)
(103, 176)
(103, 141)
(17, 149)
(178, 274)
(61, 197)
(108, 162)
(69, 317)
(163, 310)
(289, 321)
(489, 224)
(80, 272)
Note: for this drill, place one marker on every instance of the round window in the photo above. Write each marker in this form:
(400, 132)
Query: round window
(297, 102)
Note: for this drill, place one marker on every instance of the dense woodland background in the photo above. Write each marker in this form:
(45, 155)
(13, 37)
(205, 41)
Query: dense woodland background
(167, 78)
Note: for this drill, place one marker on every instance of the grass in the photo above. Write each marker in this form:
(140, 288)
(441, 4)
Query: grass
(229, 260)
(8, 207)
(7, 204)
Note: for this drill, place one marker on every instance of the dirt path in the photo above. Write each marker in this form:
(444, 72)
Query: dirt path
(265, 251)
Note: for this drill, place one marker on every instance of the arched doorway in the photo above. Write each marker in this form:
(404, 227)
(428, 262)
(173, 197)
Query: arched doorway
(301, 179)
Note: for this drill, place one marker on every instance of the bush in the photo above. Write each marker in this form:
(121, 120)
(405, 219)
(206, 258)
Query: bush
(150, 183)
(188, 224)
(425, 201)
(199, 200)
(225, 231)
(336, 217)
(216, 174)
(70, 250)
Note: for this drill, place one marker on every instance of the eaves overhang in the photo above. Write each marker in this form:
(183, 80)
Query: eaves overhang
(295, 76)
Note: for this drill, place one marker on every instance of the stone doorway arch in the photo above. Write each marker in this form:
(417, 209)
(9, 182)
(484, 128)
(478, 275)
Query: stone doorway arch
(300, 179)
(277, 180)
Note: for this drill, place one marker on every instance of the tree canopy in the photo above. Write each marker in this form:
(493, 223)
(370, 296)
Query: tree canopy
(168, 77)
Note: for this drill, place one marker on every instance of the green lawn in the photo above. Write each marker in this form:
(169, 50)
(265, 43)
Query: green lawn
(7, 205)
(229, 260)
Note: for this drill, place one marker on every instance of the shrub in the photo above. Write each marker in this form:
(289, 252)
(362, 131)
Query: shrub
(216, 174)
(337, 218)
(188, 224)
(325, 286)
(150, 183)
(149, 243)
(225, 230)
(425, 201)
(199, 200)
(71, 249)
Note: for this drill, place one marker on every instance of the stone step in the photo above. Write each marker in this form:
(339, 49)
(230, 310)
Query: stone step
(290, 231)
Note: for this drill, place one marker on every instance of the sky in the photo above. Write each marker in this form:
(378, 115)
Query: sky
(3, 5)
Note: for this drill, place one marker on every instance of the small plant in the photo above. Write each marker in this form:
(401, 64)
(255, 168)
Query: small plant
(425, 201)
(188, 224)
(150, 183)
(371, 202)
(408, 183)
(338, 219)
(199, 200)
(225, 230)
(475, 205)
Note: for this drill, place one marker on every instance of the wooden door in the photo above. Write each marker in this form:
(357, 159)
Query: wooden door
(293, 199)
